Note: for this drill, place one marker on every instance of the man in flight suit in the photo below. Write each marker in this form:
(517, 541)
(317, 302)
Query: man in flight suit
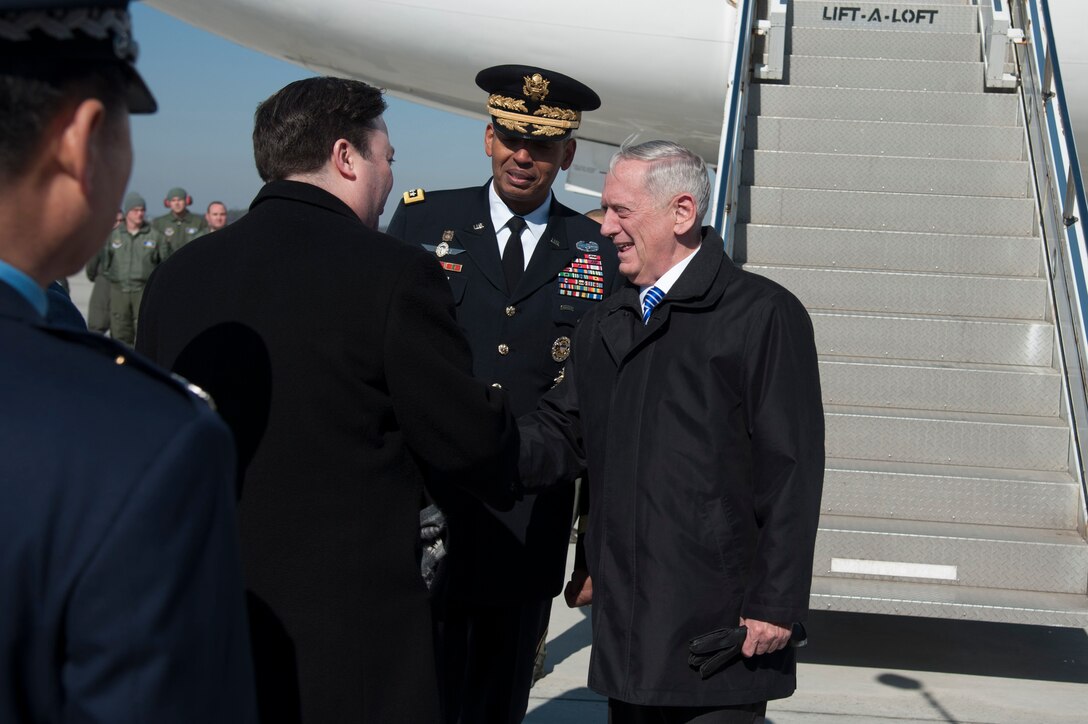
(132, 252)
(179, 225)
(523, 269)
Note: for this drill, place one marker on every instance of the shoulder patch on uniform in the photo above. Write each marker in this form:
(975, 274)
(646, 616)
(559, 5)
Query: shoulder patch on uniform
(413, 197)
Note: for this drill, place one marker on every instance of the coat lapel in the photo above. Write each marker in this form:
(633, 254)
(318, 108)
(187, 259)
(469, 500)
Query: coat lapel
(551, 255)
(478, 239)
(621, 327)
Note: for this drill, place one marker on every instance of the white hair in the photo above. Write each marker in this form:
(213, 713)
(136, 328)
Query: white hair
(672, 170)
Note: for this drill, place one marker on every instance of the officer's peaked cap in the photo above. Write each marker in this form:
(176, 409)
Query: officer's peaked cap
(80, 32)
(535, 103)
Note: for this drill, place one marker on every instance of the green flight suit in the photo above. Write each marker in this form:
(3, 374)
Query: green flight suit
(180, 230)
(130, 259)
(98, 309)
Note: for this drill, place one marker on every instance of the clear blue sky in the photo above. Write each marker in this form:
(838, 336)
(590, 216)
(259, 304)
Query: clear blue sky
(208, 88)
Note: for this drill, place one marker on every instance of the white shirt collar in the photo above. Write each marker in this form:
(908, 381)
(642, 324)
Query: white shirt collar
(669, 278)
(535, 221)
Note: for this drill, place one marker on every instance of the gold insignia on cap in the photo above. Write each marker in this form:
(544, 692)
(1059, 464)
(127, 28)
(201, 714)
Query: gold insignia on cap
(562, 114)
(536, 86)
(547, 131)
(413, 197)
(510, 104)
(511, 125)
(441, 250)
(447, 235)
(561, 349)
(559, 377)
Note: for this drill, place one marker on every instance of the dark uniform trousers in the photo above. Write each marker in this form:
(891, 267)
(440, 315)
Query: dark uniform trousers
(504, 568)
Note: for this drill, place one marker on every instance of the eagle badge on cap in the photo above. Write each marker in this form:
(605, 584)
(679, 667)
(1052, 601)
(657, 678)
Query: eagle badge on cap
(536, 87)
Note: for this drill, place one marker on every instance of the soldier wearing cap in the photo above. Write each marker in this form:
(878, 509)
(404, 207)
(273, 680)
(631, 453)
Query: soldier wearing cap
(132, 252)
(120, 581)
(179, 226)
(523, 269)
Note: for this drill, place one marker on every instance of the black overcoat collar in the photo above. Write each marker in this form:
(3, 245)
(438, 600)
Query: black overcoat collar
(304, 192)
(700, 286)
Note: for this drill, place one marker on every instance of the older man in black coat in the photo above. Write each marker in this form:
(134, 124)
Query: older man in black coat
(694, 395)
(335, 356)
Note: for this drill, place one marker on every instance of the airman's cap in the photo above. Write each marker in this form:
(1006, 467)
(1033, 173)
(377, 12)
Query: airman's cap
(79, 32)
(535, 103)
(176, 193)
(133, 200)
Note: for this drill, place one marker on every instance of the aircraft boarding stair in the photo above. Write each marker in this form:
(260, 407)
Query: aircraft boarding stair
(886, 188)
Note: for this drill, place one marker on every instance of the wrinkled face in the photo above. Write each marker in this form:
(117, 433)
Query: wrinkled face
(177, 204)
(524, 171)
(639, 225)
(377, 176)
(135, 216)
(216, 217)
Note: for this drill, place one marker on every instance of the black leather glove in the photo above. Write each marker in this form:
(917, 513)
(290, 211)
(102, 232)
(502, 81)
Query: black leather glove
(711, 652)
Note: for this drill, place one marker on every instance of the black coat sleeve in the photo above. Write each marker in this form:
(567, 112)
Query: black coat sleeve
(552, 451)
(786, 425)
(460, 429)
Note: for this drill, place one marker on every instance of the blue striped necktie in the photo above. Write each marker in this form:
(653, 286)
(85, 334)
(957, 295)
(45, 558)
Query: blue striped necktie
(652, 299)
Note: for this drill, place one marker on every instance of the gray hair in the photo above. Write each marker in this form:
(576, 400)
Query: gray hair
(673, 170)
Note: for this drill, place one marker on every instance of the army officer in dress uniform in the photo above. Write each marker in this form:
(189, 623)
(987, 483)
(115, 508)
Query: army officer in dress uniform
(523, 269)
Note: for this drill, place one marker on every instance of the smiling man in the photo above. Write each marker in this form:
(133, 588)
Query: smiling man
(523, 269)
(694, 398)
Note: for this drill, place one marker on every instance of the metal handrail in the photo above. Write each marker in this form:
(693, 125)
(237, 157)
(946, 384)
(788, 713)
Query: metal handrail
(732, 131)
(1055, 163)
(1074, 195)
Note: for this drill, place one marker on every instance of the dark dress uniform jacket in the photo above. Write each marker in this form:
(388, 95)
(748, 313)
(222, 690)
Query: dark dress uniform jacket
(704, 435)
(120, 583)
(335, 356)
(524, 549)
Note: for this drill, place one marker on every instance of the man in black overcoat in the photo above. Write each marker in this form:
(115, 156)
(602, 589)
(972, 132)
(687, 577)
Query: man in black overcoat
(693, 394)
(336, 358)
(121, 595)
(518, 304)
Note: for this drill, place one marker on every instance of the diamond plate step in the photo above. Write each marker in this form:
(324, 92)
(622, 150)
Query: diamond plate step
(962, 177)
(793, 101)
(919, 75)
(912, 292)
(899, 16)
(886, 211)
(837, 42)
(961, 438)
(926, 140)
(899, 598)
(937, 339)
(952, 554)
(950, 494)
(899, 250)
(913, 385)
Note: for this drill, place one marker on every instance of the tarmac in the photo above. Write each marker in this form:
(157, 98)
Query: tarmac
(869, 668)
(861, 667)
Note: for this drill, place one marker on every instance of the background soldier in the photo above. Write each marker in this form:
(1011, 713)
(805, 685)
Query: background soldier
(523, 269)
(216, 216)
(133, 250)
(179, 226)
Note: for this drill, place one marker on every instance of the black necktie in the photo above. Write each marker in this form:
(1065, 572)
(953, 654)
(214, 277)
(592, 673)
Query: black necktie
(513, 256)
